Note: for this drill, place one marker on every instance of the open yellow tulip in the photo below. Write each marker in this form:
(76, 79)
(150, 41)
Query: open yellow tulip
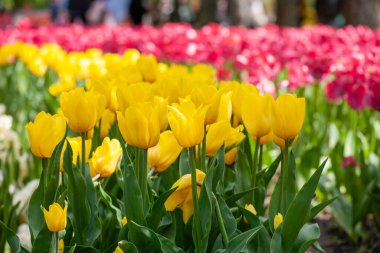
(182, 197)
(164, 153)
(105, 158)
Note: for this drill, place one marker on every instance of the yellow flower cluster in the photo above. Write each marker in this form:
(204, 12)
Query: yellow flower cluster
(159, 107)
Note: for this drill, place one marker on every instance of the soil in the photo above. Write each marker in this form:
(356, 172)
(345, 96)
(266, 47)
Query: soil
(333, 239)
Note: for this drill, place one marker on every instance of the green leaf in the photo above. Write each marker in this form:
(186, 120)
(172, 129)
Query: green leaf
(108, 201)
(299, 210)
(316, 209)
(85, 249)
(43, 241)
(77, 196)
(12, 239)
(271, 170)
(307, 236)
(243, 175)
(239, 242)
(228, 218)
(152, 242)
(235, 197)
(184, 163)
(274, 205)
(128, 247)
(132, 198)
(158, 210)
(276, 242)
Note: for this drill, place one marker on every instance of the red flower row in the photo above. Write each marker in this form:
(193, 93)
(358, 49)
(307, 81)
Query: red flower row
(347, 59)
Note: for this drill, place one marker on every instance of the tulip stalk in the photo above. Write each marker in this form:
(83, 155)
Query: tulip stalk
(56, 242)
(83, 159)
(285, 177)
(255, 162)
(142, 172)
(196, 220)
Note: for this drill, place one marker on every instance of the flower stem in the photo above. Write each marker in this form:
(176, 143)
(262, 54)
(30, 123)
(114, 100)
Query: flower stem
(83, 158)
(220, 221)
(56, 242)
(196, 220)
(143, 174)
(285, 178)
(260, 166)
(254, 164)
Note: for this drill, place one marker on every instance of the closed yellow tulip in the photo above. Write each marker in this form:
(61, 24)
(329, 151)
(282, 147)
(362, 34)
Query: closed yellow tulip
(45, 133)
(133, 94)
(82, 109)
(210, 97)
(182, 197)
(216, 136)
(230, 156)
(118, 250)
(289, 114)
(257, 114)
(55, 217)
(277, 220)
(187, 123)
(251, 209)
(238, 96)
(107, 120)
(76, 146)
(164, 153)
(148, 67)
(61, 246)
(140, 125)
(105, 159)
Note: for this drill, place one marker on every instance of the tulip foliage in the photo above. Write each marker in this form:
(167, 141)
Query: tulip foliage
(168, 159)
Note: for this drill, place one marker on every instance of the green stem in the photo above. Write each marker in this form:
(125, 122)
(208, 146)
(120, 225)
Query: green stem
(56, 242)
(83, 158)
(285, 178)
(221, 221)
(143, 175)
(196, 220)
(202, 157)
(260, 166)
(255, 160)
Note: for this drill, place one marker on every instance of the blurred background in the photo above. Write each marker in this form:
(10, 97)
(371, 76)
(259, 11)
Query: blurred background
(249, 13)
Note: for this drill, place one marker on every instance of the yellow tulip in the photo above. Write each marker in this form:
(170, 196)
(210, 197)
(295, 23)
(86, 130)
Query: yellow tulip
(107, 120)
(164, 153)
(133, 94)
(277, 220)
(238, 96)
(187, 123)
(225, 107)
(289, 114)
(105, 159)
(45, 133)
(55, 217)
(216, 136)
(182, 197)
(250, 208)
(257, 114)
(207, 96)
(82, 109)
(140, 125)
(148, 67)
(230, 156)
(76, 146)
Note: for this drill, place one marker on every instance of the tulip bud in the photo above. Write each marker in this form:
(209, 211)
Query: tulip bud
(55, 217)
(277, 220)
(251, 209)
